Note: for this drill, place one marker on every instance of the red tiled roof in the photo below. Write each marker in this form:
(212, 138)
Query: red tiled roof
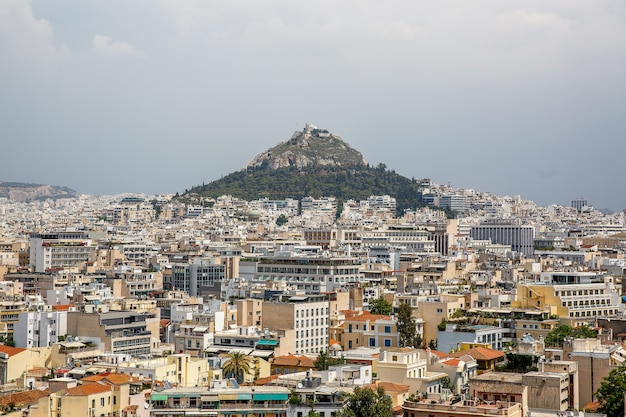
(88, 389)
(390, 386)
(367, 316)
(113, 378)
(293, 360)
(62, 307)
(440, 354)
(265, 381)
(452, 362)
(11, 351)
(481, 353)
(592, 407)
(24, 397)
(164, 323)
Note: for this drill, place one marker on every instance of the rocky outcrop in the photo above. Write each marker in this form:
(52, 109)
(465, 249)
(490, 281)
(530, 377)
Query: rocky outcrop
(17, 191)
(309, 147)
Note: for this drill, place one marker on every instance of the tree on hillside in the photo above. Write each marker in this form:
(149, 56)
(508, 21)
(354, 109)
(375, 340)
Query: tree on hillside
(364, 402)
(611, 392)
(237, 365)
(407, 327)
(381, 306)
(558, 335)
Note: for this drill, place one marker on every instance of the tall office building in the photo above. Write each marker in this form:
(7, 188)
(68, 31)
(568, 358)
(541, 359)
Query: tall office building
(202, 272)
(579, 203)
(519, 237)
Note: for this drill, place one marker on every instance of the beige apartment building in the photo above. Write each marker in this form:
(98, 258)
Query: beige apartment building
(369, 330)
(406, 366)
(307, 315)
(124, 332)
(437, 308)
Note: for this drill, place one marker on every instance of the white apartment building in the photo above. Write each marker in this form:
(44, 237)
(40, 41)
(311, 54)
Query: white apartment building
(39, 328)
(59, 250)
(312, 274)
(411, 238)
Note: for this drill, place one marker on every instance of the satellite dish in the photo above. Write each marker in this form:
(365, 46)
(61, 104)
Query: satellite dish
(299, 384)
(146, 405)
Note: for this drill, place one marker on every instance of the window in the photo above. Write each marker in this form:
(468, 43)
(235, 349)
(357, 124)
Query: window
(387, 329)
(372, 342)
(387, 342)
(102, 402)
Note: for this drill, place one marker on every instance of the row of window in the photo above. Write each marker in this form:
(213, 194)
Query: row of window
(586, 303)
(578, 292)
(590, 313)
(311, 311)
(314, 343)
(305, 333)
(387, 329)
(305, 323)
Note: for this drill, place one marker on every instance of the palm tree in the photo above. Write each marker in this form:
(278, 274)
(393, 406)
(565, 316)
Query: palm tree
(238, 365)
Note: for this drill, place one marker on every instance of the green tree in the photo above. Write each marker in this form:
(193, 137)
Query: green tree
(611, 392)
(381, 306)
(294, 398)
(407, 327)
(282, 219)
(237, 365)
(364, 402)
(442, 325)
(521, 363)
(558, 335)
(324, 361)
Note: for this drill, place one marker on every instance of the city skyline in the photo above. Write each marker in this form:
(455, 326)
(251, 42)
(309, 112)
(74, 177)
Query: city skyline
(522, 98)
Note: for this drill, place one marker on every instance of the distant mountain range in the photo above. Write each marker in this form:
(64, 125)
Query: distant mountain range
(313, 162)
(19, 191)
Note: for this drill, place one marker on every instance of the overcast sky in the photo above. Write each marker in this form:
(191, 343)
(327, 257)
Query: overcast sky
(154, 96)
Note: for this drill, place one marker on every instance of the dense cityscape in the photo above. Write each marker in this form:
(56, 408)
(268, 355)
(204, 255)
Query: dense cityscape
(138, 305)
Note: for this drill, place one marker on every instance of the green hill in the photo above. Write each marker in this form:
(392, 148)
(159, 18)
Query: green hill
(312, 163)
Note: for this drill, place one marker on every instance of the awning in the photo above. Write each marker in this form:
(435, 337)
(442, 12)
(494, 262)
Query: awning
(78, 371)
(208, 398)
(158, 397)
(201, 329)
(264, 342)
(262, 353)
(72, 344)
(273, 396)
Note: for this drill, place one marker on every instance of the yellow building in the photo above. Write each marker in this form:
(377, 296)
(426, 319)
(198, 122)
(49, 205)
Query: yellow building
(369, 330)
(435, 309)
(180, 369)
(14, 362)
(578, 298)
(94, 399)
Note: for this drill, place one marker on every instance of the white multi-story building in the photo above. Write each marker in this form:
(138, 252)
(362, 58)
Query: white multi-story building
(454, 202)
(519, 237)
(411, 238)
(312, 274)
(59, 250)
(39, 328)
(308, 315)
